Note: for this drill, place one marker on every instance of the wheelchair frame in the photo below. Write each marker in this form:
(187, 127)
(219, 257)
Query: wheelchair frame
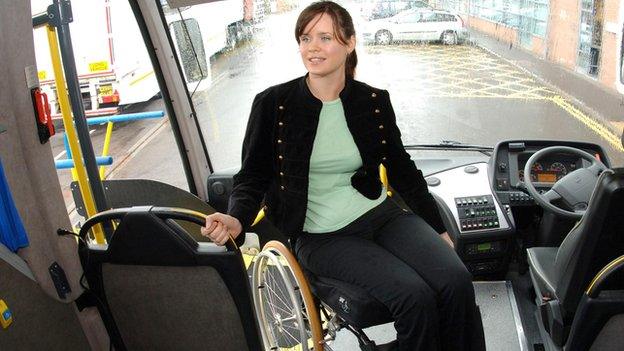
(305, 320)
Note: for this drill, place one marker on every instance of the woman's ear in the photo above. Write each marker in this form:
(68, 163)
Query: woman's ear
(351, 44)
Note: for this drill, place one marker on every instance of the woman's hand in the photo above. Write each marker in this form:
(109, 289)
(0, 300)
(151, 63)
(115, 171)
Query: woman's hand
(448, 240)
(220, 227)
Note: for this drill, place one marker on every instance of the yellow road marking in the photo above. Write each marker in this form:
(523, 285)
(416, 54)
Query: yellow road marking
(471, 72)
(140, 78)
(590, 123)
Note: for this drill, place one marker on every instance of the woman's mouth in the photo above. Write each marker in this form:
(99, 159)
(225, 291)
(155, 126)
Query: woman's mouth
(316, 60)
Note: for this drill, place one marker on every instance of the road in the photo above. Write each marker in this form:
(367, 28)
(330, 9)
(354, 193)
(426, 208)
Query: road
(462, 93)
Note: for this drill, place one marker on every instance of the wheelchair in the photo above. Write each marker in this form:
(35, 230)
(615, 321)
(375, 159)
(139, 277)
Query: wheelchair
(294, 307)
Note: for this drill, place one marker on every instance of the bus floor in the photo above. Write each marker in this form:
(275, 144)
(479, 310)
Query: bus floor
(502, 322)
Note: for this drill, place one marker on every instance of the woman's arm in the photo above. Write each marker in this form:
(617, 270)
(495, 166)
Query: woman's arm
(403, 175)
(255, 175)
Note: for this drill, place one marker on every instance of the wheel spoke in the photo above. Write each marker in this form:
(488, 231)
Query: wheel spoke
(279, 295)
(551, 195)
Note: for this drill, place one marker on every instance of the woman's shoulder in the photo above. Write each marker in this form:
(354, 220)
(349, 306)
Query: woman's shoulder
(280, 89)
(362, 87)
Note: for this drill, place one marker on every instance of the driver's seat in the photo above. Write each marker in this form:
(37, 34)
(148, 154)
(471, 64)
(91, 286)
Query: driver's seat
(562, 274)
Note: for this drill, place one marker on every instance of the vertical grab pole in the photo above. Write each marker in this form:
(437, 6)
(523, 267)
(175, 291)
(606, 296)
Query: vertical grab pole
(71, 140)
(107, 140)
(59, 16)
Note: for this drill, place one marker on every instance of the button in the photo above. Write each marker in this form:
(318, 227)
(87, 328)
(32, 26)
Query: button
(373, 95)
(281, 107)
(281, 174)
(283, 187)
(280, 157)
(279, 141)
(381, 126)
(383, 142)
(281, 124)
(383, 158)
(377, 110)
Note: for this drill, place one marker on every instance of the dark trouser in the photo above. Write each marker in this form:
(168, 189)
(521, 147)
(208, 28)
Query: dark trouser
(402, 262)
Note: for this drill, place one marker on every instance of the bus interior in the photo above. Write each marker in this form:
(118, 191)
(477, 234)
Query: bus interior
(532, 202)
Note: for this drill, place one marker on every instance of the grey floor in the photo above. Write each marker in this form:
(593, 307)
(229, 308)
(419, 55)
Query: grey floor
(503, 328)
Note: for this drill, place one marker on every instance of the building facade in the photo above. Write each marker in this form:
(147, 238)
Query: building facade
(585, 36)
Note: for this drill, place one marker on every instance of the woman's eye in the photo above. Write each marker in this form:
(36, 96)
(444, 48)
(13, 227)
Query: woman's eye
(304, 39)
(326, 38)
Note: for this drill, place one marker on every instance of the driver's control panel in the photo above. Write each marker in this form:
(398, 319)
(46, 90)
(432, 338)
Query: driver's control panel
(476, 213)
(516, 198)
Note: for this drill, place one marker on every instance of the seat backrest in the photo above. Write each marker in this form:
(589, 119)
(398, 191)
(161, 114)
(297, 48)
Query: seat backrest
(593, 243)
(145, 192)
(159, 289)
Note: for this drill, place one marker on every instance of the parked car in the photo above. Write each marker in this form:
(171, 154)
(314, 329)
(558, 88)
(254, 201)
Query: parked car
(416, 25)
(388, 8)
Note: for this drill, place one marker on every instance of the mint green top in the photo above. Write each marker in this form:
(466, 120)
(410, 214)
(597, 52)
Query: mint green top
(332, 202)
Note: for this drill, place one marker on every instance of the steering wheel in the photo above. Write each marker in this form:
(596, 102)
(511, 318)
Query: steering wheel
(574, 190)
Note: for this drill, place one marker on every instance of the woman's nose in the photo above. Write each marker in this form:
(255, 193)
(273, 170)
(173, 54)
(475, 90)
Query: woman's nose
(313, 46)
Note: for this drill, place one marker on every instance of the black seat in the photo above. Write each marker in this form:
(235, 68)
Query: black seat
(562, 274)
(159, 289)
(352, 303)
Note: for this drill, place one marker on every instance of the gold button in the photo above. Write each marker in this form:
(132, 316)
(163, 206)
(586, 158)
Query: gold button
(383, 158)
(383, 141)
(280, 157)
(279, 141)
(283, 187)
(381, 126)
(377, 110)
(373, 95)
(281, 107)
(281, 124)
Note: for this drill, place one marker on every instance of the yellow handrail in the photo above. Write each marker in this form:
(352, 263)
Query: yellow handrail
(107, 140)
(72, 138)
(383, 175)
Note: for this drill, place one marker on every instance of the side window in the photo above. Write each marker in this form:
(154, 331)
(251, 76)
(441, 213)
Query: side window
(443, 17)
(127, 118)
(427, 17)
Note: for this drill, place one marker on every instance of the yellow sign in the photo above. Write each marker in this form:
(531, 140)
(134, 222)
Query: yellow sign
(6, 318)
(98, 66)
(42, 75)
(106, 90)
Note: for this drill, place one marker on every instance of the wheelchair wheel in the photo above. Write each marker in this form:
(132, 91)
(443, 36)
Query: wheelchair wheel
(285, 308)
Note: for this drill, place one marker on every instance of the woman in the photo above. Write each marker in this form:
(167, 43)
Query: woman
(311, 152)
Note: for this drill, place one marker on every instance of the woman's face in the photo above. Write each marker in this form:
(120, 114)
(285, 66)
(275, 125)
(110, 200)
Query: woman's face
(322, 54)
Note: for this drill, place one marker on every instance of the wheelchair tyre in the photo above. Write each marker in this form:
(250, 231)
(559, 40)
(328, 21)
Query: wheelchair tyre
(286, 310)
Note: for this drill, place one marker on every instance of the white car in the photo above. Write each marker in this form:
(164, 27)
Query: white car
(416, 25)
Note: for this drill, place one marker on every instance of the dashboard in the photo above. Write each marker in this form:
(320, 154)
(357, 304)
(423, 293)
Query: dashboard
(548, 170)
(510, 157)
(478, 197)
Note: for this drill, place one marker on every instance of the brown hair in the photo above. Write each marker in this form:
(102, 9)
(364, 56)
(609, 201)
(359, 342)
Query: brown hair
(342, 22)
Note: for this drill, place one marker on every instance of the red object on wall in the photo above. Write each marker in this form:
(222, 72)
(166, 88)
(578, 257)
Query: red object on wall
(43, 115)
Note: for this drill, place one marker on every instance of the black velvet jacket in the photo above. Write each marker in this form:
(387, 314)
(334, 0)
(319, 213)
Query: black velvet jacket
(278, 144)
